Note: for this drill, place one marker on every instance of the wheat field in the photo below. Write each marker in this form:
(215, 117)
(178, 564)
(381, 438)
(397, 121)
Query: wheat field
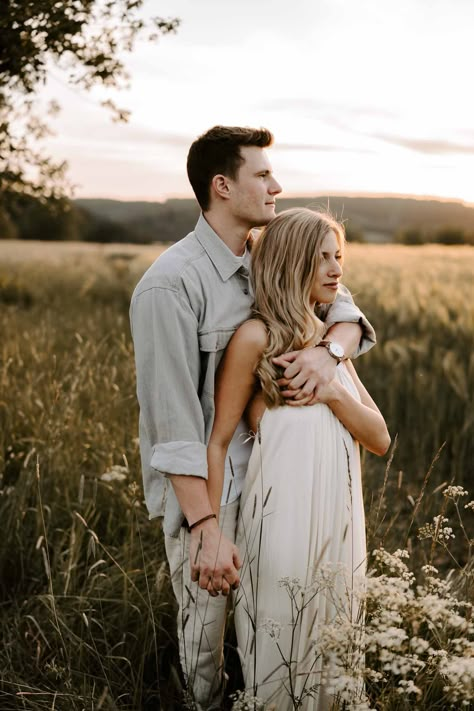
(86, 612)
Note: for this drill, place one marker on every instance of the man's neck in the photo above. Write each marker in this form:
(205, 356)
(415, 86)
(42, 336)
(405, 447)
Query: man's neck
(233, 234)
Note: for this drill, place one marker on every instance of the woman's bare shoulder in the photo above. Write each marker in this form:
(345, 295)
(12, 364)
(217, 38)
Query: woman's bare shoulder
(252, 333)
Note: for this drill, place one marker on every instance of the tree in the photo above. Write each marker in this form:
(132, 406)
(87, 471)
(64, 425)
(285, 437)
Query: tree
(354, 234)
(451, 235)
(412, 235)
(86, 39)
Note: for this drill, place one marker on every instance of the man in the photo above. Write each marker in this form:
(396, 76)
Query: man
(183, 313)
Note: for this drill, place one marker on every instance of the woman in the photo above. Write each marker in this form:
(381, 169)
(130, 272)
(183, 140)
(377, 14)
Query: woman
(302, 519)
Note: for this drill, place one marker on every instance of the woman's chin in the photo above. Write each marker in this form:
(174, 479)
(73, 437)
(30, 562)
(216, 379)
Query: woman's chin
(326, 299)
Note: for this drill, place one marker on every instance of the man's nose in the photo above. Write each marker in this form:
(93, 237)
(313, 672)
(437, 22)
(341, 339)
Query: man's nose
(274, 187)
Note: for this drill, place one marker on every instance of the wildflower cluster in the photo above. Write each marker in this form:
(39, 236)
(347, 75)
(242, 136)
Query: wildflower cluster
(437, 530)
(244, 701)
(454, 492)
(416, 638)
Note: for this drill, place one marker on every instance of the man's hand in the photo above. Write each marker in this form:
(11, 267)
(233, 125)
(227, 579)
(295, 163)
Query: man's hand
(214, 560)
(305, 371)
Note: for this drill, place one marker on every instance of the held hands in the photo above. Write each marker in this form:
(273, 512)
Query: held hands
(308, 377)
(214, 560)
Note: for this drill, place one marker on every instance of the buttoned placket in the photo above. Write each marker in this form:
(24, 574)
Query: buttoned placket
(244, 277)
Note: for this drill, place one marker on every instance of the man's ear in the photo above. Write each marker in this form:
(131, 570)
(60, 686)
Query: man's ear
(220, 186)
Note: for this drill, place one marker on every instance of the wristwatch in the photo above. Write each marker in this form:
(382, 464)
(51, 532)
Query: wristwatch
(334, 349)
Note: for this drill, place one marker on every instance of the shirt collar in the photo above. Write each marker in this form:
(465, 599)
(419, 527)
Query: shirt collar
(218, 252)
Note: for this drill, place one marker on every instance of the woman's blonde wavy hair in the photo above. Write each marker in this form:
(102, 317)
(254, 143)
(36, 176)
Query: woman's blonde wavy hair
(285, 260)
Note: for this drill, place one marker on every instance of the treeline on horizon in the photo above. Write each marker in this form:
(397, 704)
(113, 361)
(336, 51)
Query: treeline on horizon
(366, 219)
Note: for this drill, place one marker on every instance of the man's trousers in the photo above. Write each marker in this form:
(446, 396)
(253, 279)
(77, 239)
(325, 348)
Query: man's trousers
(201, 619)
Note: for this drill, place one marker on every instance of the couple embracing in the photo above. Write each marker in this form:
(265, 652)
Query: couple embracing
(235, 335)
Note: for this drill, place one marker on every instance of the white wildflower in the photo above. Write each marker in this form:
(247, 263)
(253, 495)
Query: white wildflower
(271, 627)
(437, 531)
(293, 585)
(459, 677)
(470, 505)
(419, 645)
(442, 612)
(407, 687)
(389, 638)
(393, 562)
(401, 665)
(454, 492)
(244, 701)
(115, 473)
(373, 675)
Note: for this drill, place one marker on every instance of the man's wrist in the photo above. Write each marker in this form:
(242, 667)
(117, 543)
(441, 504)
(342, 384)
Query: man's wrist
(201, 520)
(203, 523)
(334, 349)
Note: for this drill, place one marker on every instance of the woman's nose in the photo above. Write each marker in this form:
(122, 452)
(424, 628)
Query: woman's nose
(336, 269)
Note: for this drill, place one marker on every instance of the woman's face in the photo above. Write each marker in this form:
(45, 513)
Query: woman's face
(326, 282)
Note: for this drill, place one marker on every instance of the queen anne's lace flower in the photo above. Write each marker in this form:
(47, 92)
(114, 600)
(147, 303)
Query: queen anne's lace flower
(271, 627)
(412, 631)
(437, 531)
(454, 492)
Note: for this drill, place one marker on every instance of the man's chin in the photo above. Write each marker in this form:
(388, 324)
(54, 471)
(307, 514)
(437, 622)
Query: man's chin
(267, 218)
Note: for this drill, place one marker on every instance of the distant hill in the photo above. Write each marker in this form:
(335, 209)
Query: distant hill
(376, 219)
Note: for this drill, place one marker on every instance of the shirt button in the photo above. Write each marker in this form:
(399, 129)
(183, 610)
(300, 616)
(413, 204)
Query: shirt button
(246, 291)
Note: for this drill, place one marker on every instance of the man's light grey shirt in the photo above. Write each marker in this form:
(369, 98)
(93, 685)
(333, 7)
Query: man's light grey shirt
(183, 313)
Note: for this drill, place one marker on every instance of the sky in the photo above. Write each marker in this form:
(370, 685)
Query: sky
(363, 97)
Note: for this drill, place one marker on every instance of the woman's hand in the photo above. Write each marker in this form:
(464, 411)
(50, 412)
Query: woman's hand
(305, 372)
(325, 393)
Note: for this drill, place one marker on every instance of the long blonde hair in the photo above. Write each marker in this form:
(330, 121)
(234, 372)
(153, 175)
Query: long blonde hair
(285, 260)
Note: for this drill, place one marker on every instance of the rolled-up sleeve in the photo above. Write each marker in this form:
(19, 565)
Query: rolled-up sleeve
(345, 310)
(165, 335)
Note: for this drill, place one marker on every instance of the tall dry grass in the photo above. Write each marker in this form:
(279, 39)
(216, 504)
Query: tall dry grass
(86, 612)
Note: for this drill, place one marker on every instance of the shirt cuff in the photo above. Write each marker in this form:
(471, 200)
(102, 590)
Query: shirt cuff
(189, 458)
(354, 315)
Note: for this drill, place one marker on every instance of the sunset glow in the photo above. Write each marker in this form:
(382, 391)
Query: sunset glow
(363, 97)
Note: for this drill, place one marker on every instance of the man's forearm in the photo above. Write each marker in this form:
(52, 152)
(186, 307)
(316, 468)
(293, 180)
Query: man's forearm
(347, 334)
(192, 495)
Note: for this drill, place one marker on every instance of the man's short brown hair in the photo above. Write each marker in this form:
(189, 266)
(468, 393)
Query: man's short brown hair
(218, 152)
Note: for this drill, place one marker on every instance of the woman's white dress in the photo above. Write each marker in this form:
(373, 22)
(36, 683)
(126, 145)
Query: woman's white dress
(301, 534)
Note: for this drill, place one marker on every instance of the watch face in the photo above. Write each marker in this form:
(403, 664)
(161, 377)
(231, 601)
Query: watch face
(336, 350)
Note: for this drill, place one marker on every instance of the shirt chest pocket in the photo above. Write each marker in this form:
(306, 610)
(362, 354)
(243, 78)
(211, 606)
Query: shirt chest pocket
(211, 349)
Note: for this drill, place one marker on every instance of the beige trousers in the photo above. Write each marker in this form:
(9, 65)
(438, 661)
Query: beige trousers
(201, 619)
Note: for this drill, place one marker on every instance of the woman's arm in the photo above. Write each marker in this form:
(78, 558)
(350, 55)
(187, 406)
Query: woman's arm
(363, 419)
(235, 385)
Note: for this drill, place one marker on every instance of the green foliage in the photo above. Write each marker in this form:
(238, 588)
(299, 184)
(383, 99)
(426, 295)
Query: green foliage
(86, 39)
(411, 236)
(353, 234)
(445, 235)
(452, 235)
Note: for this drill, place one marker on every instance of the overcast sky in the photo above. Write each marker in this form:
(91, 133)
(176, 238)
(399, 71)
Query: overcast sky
(363, 96)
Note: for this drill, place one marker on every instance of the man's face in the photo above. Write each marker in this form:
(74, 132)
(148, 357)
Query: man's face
(253, 192)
